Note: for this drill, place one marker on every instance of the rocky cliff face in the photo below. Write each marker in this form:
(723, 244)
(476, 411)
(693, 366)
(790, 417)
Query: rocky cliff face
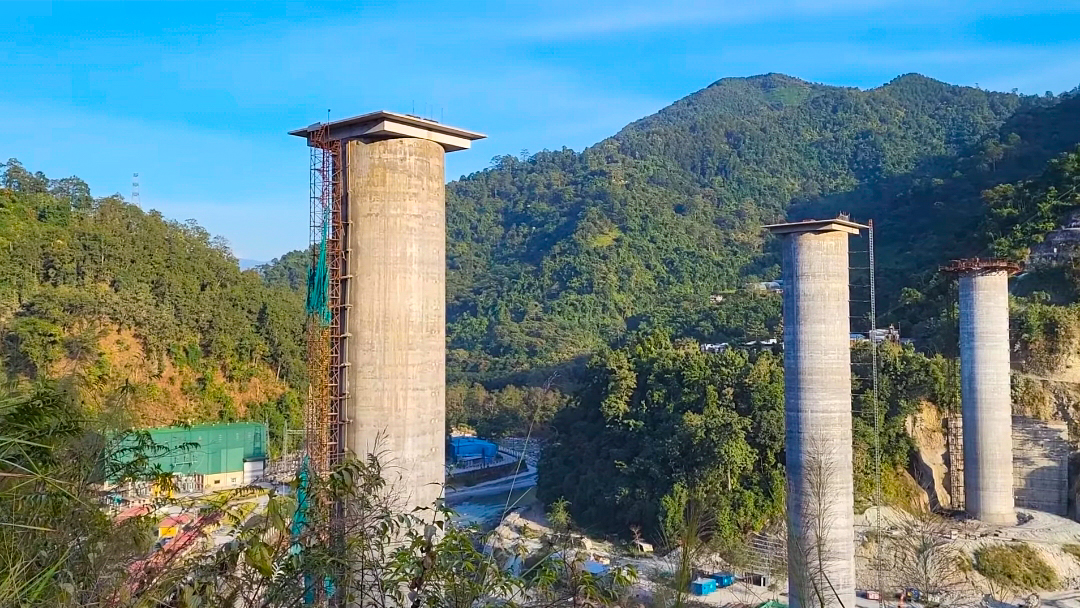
(929, 461)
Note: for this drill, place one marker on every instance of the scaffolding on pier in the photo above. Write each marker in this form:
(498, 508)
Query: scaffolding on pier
(324, 418)
(324, 410)
(1040, 464)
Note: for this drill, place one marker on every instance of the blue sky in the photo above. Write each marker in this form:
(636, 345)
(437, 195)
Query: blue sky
(197, 97)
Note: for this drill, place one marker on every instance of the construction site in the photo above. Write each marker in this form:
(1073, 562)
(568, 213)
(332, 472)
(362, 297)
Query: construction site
(376, 353)
(1004, 484)
(376, 296)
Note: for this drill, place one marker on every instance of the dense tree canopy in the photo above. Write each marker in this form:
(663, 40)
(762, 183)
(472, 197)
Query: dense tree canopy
(963, 205)
(658, 419)
(75, 269)
(658, 422)
(555, 255)
(61, 547)
(290, 270)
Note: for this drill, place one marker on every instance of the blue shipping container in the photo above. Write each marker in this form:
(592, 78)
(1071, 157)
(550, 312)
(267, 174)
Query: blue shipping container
(703, 586)
(723, 579)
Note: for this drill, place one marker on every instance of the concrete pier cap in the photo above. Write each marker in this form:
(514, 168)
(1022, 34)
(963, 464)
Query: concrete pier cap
(380, 125)
(819, 226)
(817, 411)
(985, 387)
(390, 223)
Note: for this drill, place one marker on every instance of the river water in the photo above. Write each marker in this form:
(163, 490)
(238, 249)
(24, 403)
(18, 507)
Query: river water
(487, 510)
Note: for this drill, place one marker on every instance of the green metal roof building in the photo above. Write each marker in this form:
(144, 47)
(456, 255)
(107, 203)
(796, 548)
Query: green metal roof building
(221, 448)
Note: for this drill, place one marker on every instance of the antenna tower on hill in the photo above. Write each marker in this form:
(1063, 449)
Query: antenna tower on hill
(135, 189)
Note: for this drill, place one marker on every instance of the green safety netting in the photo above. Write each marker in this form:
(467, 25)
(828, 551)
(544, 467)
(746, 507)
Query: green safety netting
(319, 282)
(318, 287)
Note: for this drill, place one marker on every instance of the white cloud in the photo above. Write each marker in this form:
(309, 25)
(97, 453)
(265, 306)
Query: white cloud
(624, 17)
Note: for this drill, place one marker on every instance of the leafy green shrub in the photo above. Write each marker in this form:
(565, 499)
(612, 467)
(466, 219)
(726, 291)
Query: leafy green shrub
(1015, 565)
(1044, 332)
(1031, 398)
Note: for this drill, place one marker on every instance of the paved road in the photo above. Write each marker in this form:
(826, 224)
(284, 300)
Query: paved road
(525, 479)
(1062, 599)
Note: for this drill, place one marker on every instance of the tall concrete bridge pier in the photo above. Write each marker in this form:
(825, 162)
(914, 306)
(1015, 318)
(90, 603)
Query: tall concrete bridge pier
(985, 389)
(817, 412)
(390, 325)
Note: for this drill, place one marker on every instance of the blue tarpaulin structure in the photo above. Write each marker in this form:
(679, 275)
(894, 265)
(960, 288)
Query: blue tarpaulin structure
(703, 586)
(463, 449)
(723, 579)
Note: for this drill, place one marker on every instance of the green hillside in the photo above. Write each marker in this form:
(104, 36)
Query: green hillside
(127, 307)
(558, 255)
(612, 262)
(989, 200)
(555, 255)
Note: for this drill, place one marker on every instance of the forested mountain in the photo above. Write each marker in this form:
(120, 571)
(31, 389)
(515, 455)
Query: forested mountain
(989, 200)
(554, 255)
(579, 287)
(290, 270)
(128, 306)
(943, 171)
(658, 422)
